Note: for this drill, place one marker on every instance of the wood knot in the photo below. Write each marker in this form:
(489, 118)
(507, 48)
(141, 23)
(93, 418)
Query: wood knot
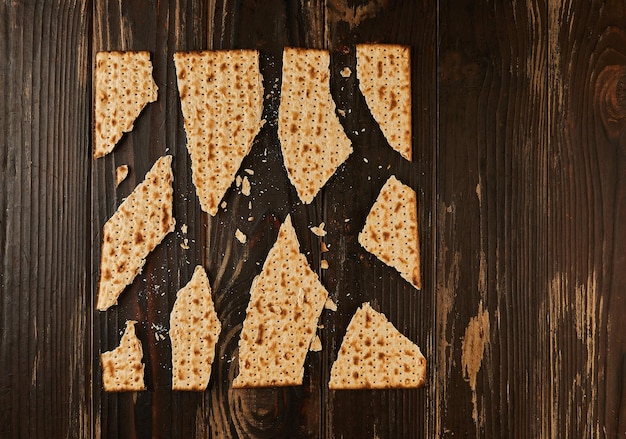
(610, 99)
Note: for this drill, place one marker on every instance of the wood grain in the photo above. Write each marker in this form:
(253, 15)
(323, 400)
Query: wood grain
(518, 118)
(586, 232)
(44, 384)
(491, 176)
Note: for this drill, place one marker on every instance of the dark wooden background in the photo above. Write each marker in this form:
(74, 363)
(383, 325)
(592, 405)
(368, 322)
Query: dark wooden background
(519, 164)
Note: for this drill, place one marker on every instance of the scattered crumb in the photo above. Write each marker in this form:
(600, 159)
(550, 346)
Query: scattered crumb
(240, 236)
(319, 230)
(341, 112)
(330, 304)
(183, 229)
(223, 205)
(365, 160)
(250, 205)
(250, 218)
(238, 181)
(323, 247)
(249, 171)
(120, 174)
(345, 72)
(347, 220)
(320, 326)
(245, 186)
(324, 264)
(185, 244)
(316, 344)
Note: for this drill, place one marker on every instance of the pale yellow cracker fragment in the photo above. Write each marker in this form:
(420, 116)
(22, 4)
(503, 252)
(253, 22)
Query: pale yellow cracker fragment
(330, 305)
(241, 237)
(123, 87)
(316, 344)
(313, 141)
(319, 230)
(384, 74)
(391, 232)
(135, 229)
(221, 94)
(375, 355)
(245, 187)
(121, 172)
(194, 331)
(122, 369)
(286, 300)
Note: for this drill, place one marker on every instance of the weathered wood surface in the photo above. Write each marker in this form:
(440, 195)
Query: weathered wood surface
(518, 116)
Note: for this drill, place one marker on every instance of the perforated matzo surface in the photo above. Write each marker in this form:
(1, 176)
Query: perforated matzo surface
(122, 369)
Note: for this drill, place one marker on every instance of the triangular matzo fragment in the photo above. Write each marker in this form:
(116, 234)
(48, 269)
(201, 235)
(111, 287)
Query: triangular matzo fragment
(384, 73)
(390, 232)
(135, 229)
(123, 87)
(286, 300)
(122, 369)
(194, 329)
(375, 355)
(221, 95)
(312, 139)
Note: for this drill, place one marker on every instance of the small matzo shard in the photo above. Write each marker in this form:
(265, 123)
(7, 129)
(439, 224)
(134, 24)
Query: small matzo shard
(384, 73)
(135, 229)
(221, 95)
(390, 232)
(194, 329)
(313, 142)
(286, 300)
(122, 369)
(123, 87)
(375, 355)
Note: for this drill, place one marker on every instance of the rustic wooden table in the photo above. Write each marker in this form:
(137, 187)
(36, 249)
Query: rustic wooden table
(519, 111)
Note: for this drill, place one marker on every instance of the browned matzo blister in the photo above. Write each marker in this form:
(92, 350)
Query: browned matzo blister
(375, 355)
(122, 369)
(194, 331)
(312, 139)
(391, 232)
(140, 223)
(286, 300)
(123, 87)
(384, 74)
(221, 95)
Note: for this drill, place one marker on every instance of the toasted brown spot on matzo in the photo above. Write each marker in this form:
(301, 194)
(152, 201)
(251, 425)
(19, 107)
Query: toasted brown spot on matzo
(394, 362)
(306, 108)
(384, 74)
(139, 225)
(281, 317)
(123, 87)
(216, 88)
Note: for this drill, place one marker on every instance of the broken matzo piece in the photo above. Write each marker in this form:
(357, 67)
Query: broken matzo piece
(121, 172)
(122, 369)
(390, 232)
(384, 74)
(221, 95)
(286, 300)
(313, 141)
(135, 229)
(194, 330)
(123, 87)
(375, 355)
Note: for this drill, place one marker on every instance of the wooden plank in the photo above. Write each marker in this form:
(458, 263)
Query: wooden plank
(490, 218)
(44, 200)
(586, 269)
(355, 276)
(161, 28)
